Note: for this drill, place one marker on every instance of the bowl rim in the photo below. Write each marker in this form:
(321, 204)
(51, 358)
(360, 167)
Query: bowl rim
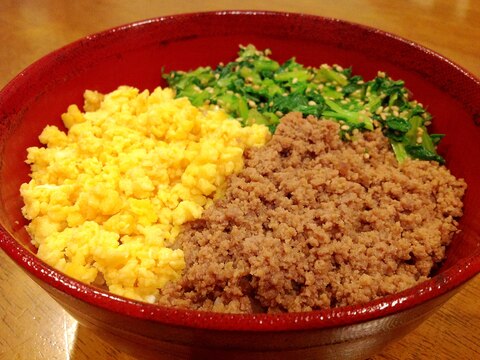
(443, 283)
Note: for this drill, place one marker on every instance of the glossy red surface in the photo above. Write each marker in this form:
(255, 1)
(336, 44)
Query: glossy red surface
(134, 55)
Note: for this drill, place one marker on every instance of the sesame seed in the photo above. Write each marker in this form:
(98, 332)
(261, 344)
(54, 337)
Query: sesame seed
(345, 127)
(419, 140)
(294, 81)
(278, 113)
(312, 103)
(252, 103)
(366, 156)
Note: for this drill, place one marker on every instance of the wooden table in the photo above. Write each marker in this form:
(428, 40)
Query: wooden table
(33, 326)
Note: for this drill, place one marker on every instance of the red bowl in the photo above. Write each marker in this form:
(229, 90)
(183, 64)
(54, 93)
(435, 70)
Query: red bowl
(134, 54)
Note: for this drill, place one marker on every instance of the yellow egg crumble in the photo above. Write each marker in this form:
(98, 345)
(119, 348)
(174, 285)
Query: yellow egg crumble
(107, 198)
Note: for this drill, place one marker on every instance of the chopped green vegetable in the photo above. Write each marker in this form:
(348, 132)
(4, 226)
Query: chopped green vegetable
(353, 119)
(256, 89)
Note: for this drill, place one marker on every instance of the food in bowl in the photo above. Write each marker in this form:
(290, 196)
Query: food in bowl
(257, 89)
(248, 253)
(107, 199)
(311, 222)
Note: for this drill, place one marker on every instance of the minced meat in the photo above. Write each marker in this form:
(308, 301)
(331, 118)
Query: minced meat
(314, 222)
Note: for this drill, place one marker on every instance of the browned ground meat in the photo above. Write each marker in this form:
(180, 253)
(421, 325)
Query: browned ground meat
(315, 222)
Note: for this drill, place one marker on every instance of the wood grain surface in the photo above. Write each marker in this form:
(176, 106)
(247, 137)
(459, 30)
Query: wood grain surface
(33, 326)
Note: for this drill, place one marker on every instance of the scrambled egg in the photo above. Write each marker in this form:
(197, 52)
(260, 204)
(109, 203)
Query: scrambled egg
(107, 198)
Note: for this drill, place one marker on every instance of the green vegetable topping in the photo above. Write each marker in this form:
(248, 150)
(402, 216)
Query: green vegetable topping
(256, 89)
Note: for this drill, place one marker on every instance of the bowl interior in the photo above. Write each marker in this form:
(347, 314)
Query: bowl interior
(135, 55)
